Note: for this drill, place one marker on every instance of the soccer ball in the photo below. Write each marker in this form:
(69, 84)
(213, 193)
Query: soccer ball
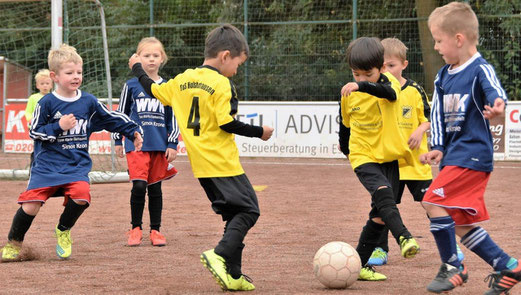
(337, 265)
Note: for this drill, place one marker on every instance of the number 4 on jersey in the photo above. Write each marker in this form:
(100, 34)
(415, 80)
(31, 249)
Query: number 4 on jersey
(193, 118)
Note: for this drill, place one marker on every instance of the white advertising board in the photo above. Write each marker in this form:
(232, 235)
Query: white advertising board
(302, 129)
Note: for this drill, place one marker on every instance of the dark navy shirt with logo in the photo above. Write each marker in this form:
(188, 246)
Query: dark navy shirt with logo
(458, 127)
(60, 156)
(158, 121)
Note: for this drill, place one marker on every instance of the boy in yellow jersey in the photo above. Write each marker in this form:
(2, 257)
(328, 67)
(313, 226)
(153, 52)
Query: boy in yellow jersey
(413, 121)
(205, 103)
(44, 85)
(369, 135)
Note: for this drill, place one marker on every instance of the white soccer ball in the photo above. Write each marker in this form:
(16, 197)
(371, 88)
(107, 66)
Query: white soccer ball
(337, 265)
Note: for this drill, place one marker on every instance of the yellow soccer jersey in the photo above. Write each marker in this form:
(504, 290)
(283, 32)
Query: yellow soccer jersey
(203, 100)
(415, 110)
(375, 136)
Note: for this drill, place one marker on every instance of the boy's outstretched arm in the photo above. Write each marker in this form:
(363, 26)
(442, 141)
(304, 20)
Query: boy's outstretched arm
(243, 129)
(497, 110)
(381, 89)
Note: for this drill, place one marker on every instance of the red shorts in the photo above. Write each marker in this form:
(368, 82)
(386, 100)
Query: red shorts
(78, 190)
(151, 167)
(461, 192)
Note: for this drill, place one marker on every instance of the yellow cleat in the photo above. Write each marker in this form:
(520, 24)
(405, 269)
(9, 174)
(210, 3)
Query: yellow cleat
(241, 284)
(409, 247)
(217, 267)
(368, 273)
(11, 252)
(64, 243)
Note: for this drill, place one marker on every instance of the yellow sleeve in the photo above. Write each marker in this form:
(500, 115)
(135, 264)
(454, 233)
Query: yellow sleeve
(164, 92)
(226, 104)
(343, 111)
(29, 109)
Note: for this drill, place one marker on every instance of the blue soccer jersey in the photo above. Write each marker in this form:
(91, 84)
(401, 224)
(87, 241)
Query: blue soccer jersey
(60, 156)
(157, 120)
(458, 127)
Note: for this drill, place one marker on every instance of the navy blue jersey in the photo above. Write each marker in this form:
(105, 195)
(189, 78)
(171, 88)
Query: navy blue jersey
(62, 157)
(458, 127)
(157, 120)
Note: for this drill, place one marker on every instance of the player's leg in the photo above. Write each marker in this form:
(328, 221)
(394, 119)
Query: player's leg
(507, 270)
(385, 201)
(138, 170)
(137, 205)
(235, 199)
(77, 199)
(155, 208)
(22, 221)
(31, 201)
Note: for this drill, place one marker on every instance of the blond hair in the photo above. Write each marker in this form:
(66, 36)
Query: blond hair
(456, 18)
(64, 54)
(151, 41)
(43, 73)
(395, 47)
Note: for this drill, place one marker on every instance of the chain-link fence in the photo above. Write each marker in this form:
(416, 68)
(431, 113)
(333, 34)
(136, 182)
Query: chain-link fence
(297, 47)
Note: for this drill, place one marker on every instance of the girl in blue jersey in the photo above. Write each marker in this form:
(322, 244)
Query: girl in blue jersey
(467, 94)
(148, 167)
(63, 121)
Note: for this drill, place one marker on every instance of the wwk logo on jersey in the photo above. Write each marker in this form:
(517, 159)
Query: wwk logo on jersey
(149, 105)
(79, 129)
(454, 103)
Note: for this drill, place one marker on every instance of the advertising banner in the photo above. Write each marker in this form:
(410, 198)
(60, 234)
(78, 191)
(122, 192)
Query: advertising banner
(302, 129)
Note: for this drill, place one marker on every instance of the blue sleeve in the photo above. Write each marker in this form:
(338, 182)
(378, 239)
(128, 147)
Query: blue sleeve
(490, 84)
(113, 121)
(437, 125)
(42, 128)
(125, 100)
(172, 128)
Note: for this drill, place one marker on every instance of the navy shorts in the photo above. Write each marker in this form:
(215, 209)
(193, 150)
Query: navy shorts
(230, 195)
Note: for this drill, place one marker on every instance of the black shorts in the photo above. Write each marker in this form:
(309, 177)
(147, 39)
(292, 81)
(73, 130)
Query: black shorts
(230, 195)
(418, 188)
(374, 175)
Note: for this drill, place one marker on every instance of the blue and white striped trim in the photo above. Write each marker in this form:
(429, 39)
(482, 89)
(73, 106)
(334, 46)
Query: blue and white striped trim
(475, 238)
(492, 78)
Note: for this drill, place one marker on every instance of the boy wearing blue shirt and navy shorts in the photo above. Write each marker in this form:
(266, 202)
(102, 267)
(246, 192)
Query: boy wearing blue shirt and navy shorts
(62, 124)
(467, 94)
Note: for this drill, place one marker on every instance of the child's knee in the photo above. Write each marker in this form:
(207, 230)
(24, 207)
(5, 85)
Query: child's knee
(31, 208)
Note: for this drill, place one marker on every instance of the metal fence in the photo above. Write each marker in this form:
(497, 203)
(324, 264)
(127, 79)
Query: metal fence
(297, 47)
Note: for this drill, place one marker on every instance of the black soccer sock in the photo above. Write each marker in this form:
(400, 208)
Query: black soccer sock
(137, 202)
(369, 240)
(388, 211)
(235, 231)
(383, 241)
(155, 205)
(70, 215)
(21, 224)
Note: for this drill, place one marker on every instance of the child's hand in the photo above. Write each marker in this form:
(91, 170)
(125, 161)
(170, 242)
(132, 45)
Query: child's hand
(415, 140)
(170, 154)
(497, 110)
(266, 134)
(348, 88)
(433, 157)
(134, 59)
(138, 141)
(67, 122)
(119, 151)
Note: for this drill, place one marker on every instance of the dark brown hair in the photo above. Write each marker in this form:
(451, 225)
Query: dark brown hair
(225, 37)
